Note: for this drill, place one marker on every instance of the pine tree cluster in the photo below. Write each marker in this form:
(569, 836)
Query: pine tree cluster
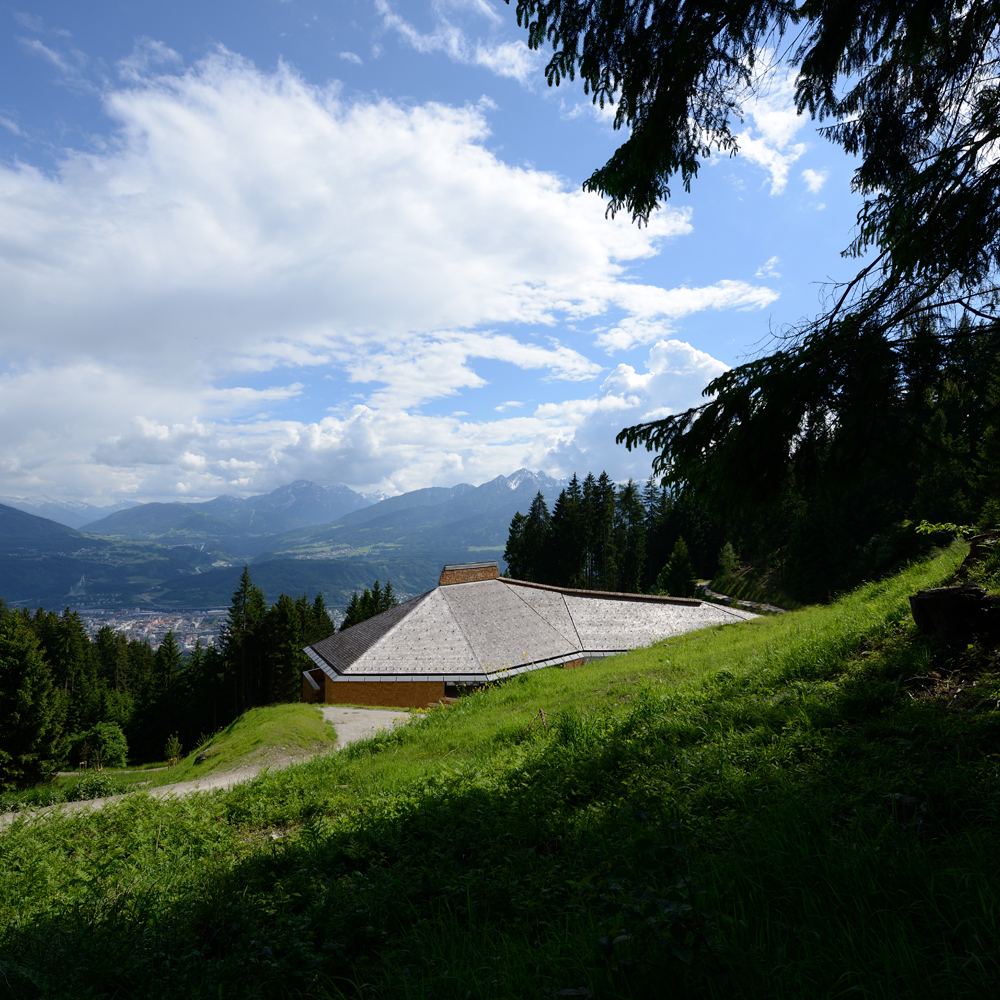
(370, 603)
(65, 696)
(600, 536)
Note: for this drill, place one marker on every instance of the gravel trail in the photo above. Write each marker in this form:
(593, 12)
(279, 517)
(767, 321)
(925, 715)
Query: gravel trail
(351, 724)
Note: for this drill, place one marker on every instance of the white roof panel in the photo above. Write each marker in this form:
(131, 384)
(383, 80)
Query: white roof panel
(466, 631)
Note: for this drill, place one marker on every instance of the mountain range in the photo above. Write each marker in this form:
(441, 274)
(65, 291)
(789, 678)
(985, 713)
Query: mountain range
(72, 513)
(300, 537)
(232, 527)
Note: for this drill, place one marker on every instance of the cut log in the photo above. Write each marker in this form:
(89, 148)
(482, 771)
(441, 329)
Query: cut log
(957, 613)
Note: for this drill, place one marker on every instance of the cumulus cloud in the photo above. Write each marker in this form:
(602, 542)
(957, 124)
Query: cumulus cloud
(352, 57)
(165, 294)
(771, 126)
(815, 179)
(675, 375)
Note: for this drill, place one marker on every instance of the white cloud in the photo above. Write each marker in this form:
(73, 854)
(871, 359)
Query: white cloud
(815, 179)
(511, 403)
(147, 55)
(511, 59)
(675, 374)
(768, 269)
(771, 124)
(653, 309)
(240, 223)
(352, 57)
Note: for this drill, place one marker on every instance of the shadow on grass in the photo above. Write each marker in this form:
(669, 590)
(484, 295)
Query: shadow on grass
(801, 837)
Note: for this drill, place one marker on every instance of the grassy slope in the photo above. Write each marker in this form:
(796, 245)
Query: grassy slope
(723, 811)
(257, 736)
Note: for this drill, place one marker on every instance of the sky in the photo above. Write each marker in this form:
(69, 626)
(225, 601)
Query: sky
(248, 243)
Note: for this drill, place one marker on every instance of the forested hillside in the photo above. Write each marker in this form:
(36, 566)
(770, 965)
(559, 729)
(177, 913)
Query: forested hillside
(58, 687)
(800, 548)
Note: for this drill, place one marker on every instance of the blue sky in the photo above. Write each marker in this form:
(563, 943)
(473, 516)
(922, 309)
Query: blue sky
(249, 243)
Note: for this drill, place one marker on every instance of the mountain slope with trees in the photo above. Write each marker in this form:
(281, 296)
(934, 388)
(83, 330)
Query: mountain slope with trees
(884, 407)
(58, 687)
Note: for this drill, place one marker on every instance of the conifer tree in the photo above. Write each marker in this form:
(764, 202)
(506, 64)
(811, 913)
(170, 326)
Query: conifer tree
(514, 553)
(320, 623)
(33, 709)
(630, 534)
(168, 661)
(604, 533)
(239, 641)
(677, 578)
(282, 641)
(536, 540)
(370, 603)
(568, 541)
(351, 612)
(591, 531)
(67, 649)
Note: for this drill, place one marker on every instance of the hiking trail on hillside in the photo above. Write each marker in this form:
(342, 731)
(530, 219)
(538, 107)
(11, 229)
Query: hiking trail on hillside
(351, 725)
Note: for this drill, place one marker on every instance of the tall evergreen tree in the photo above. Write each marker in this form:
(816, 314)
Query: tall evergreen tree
(514, 554)
(591, 531)
(677, 577)
(168, 661)
(320, 624)
(67, 649)
(568, 559)
(630, 535)
(537, 540)
(239, 642)
(33, 709)
(604, 533)
(370, 603)
(282, 643)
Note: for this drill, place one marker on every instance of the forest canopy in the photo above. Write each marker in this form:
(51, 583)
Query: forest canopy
(882, 408)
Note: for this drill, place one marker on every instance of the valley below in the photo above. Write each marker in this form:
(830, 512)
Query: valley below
(301, 538)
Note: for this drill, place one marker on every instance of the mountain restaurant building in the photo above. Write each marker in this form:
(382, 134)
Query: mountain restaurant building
(477, 627)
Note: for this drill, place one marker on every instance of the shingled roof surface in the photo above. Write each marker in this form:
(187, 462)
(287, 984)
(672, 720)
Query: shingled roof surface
(488, 629)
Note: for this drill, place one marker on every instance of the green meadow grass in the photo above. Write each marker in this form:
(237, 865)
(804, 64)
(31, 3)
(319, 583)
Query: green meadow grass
(760, 810)
(258, 736)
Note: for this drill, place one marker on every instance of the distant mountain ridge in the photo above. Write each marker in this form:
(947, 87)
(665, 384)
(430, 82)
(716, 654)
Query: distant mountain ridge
(72, 513)
(192, 553)
(44, 561)
(231, 524)
(443, 525)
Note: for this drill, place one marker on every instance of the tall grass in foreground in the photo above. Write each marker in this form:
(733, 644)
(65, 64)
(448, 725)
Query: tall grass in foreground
(756, 810)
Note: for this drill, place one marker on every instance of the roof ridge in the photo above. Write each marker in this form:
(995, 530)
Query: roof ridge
(572, 620)
(616, 594)
(458, 622)
(569, 614)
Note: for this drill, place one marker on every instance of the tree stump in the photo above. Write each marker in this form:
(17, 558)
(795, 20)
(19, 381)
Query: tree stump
(957, 613)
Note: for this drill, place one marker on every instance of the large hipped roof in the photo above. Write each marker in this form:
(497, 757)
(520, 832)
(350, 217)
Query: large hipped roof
(487, 629)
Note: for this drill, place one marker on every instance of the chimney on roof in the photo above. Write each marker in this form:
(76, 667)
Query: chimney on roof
(468, 573)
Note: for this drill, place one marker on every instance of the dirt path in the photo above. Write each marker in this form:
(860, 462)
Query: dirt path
(351, 724)
(359, 723)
